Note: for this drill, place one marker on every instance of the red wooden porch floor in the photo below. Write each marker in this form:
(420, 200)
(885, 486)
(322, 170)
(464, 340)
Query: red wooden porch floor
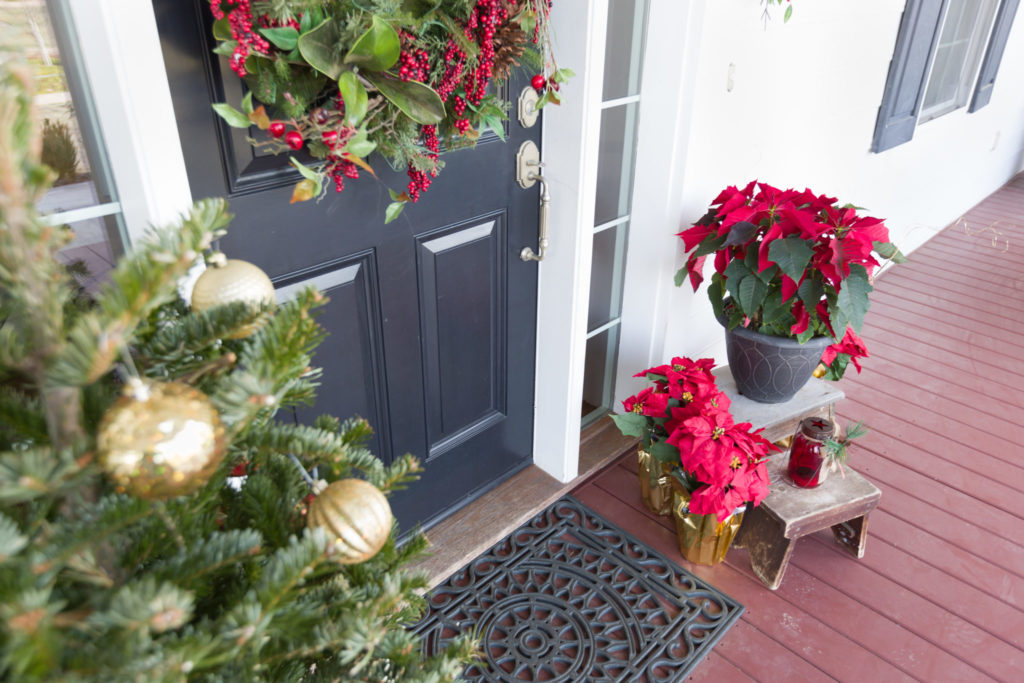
(939, 595)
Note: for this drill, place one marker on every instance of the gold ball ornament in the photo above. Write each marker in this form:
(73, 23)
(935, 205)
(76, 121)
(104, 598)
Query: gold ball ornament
(228, 281)
(160, 440)
(356, 517)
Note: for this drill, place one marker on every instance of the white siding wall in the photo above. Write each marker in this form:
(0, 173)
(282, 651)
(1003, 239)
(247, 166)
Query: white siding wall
(801, 113)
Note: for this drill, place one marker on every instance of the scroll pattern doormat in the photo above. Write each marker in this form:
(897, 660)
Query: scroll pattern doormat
(569, 596)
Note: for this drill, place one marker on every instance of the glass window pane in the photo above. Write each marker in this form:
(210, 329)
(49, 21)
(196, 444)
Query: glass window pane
(957, 56)
(602, 350)
(623, 48)
(606, 275)
(89, 255)
(615, 162)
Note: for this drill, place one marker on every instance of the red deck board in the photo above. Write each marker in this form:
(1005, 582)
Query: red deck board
(939, 594)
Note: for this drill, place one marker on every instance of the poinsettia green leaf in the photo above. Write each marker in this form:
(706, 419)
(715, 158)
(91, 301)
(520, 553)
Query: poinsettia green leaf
(717, 296)
(709, 245)
(774, 312)
(417, 101)
(810, 292)
(234, 118)
(354, 95)
(806, 335)
(852, 303)
(888, 250)
(791, 254)
(751, 292)
(665, 452)
(283, 37)
(734, 274)
(768, 274)
(222, 29)
(680, 277)
(377, 49)
(741, 232)
(393, 211)
(630, 424)
(319, 47)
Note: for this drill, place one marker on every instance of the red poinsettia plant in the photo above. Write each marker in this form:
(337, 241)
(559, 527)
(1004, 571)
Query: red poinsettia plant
(684, 420)
(789, 263)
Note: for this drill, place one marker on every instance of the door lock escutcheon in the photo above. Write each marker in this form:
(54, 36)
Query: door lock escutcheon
(528, 173)
(527, 107)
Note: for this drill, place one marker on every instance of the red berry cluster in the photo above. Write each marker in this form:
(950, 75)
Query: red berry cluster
(419, 181)
(242, 30)
(483, 20)
(455, 61)
(266, 21)
(413, 64)
(338, 168)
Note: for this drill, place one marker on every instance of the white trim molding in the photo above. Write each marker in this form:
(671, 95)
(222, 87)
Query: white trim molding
(570, 152)
(120, 47)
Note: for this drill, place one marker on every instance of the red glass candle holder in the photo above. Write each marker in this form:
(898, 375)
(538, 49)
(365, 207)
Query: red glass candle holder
(807, 454)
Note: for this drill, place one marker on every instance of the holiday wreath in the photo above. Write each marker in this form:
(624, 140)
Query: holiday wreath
(346, 78)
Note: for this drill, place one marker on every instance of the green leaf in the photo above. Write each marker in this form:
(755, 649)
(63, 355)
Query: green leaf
(563, 75)
(359, 145)
(740, 232)
(888, 250)
(852, 301)
(709, 245)
(319, 47)
(393, 211)
(354, 95)
(226, 48)
(665, 452)
(247, 103)
(752, 292)
(680, 277)
(792, 254)
(630, 424)
(418, 8)
(235, 118)
(377, 49)
(417, 101)
(734, 274)
(495, 124)
(773, 310)
(717, 296)
(788, 14)
(306, 171)
(222, 29)
(283, 37)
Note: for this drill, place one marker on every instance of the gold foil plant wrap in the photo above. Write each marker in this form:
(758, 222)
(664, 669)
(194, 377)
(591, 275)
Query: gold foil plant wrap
(702, 538)
(655, 483)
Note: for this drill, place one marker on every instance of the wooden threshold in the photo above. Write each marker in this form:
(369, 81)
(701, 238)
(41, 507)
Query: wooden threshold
(476, 527)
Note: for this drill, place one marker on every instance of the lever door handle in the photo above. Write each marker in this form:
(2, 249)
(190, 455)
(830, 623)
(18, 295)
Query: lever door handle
(527, 174)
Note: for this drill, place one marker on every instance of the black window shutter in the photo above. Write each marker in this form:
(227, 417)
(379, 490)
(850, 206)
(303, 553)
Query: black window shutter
(994, 54)
(908, 73)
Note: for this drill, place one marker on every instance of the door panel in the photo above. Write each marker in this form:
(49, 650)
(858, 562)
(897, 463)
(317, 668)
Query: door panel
(432, 318)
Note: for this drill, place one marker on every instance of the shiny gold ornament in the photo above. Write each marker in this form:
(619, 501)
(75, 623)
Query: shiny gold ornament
(356, 517)
(820, 371)
(160, 440)
(227, 281)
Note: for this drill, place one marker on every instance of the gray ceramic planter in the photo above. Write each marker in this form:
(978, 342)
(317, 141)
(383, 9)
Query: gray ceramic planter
(771, 369)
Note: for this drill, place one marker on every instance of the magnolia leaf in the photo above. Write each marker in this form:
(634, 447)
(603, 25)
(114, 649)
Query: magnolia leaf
(752, 292)
(630, 424)
(361, 163)
(306, 171)
(283, 37)
(304, 190)
(222, 29)
(354, 95)
(418, 101)
(234, 118)
(377, 49)
(665, 452)
(393, 211)
(792, 254)
(247, 103)
(852, 300)
(260, 118)
(888, 250)
(741, 232)
(319, 47)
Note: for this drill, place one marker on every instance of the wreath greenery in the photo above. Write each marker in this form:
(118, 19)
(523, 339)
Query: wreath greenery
(346, 78)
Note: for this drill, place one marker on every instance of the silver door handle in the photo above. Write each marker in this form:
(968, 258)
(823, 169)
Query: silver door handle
(528, 159)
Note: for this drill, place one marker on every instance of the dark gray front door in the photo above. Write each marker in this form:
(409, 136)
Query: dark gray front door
(432, 319)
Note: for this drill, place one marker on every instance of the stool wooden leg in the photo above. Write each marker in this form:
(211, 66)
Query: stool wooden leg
(852, 535)
(769, 550)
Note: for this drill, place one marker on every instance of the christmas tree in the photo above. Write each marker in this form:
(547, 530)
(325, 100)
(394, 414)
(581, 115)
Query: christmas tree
(155, 492)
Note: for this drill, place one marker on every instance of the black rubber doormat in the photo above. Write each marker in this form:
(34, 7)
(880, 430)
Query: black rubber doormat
(569, 596)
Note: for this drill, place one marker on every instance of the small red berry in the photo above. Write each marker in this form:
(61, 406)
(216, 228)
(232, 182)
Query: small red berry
(330, 138)
(276, 129)
(294, 139)
(319, 115)
(538, 82)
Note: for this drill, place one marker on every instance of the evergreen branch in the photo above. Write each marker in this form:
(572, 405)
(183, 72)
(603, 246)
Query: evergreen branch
(312, 443)
(146, 605)
(193, 565)
(140, 283)
(290, 566)
(21, 415)
(12, 541)
(41, 472)
(401, 473)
